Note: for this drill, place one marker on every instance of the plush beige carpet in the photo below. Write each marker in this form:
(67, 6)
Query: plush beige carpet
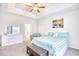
(14, 50)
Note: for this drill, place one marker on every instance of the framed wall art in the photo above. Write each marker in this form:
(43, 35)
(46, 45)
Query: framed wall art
(58, 23)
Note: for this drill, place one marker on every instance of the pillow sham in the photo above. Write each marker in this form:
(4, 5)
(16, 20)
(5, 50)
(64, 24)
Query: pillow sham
(63, 34)
(51, 34)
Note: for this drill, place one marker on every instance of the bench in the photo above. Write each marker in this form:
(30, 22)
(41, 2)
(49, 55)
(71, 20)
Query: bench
(34, 50)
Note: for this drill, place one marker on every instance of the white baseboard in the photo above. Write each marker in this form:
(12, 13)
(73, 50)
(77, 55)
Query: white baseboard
(74, 47)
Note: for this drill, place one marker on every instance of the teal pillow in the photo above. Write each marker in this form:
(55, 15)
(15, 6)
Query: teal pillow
(62, 34)
(50, 34)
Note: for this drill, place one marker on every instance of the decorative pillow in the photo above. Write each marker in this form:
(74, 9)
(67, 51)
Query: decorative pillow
(62, 34)
(58, 34)
(51, 34)
(55, 34)
(35, 35)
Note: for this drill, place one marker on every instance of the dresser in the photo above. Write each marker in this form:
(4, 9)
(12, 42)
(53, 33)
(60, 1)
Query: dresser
(11, 39)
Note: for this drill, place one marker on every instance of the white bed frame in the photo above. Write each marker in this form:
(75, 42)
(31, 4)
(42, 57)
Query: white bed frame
(62, 52)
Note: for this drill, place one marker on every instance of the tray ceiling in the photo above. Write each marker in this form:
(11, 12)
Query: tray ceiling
(21, 9)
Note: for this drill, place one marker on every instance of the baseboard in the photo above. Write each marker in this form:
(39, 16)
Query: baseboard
(74, 48)
(0, 44)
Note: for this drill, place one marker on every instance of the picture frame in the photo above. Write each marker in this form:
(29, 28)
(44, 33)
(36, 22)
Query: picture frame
(58, 23)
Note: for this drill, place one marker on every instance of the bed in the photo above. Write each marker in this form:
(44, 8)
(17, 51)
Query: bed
(55, 45)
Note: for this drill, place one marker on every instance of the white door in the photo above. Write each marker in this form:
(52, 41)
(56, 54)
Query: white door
(27, 32)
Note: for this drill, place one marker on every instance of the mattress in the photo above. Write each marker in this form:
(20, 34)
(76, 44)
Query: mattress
(52, 45)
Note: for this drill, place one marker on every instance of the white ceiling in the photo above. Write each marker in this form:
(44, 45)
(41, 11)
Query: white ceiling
(21, 9)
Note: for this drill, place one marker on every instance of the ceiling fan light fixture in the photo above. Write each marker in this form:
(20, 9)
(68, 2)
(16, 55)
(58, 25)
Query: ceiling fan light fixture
(35, 7)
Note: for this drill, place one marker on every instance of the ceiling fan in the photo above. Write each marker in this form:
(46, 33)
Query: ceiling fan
(35, 7)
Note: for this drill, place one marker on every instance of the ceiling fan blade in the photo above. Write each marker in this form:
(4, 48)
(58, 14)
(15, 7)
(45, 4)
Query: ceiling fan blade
(34, 3)
(38, 11)
(42, 7)
(28, 5)
(31, 10)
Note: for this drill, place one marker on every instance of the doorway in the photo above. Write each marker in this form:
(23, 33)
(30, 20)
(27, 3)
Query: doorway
(27, 32)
